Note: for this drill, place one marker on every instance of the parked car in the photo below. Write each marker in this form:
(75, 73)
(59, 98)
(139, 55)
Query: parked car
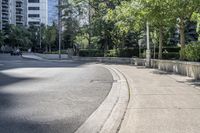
(16, 53)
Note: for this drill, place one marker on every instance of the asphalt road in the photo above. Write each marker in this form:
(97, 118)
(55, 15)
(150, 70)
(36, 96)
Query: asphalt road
(49, 97)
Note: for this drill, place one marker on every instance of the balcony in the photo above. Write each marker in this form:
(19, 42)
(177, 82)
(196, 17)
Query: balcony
(5, 2)
(19, 7)
(20, 14)
(19, 1)
(5, 8)
(5, 5)
(19, 24)
(19, 21)
(5, 12)
(4, 19)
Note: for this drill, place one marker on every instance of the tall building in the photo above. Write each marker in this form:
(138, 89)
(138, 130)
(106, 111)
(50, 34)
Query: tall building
(53, 13)
(0, 14)
(37, 12)
(20, 12)
(23, 12)
(4, 13)
(12, 12)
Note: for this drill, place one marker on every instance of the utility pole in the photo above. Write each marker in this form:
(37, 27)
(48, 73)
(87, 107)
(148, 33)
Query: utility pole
(59, 27)
(148, 52)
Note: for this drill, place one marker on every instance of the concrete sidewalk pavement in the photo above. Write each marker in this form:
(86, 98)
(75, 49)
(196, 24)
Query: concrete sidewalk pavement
(160, 102)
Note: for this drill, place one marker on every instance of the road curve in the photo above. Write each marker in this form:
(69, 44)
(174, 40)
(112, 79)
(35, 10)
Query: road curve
(49, 97)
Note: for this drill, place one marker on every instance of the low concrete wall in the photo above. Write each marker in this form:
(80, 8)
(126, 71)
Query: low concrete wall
(190, 69)
(114, 60)
(52, 56)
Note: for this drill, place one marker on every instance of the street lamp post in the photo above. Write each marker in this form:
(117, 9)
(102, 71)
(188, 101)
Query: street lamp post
(40, 35)
(59, 27)
(148, 51)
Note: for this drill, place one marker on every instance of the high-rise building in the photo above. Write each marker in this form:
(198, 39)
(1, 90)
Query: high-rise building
(0, 14)
(12, 12)
(23, 12)
(20, 12)
(37, 12)
(4, 13)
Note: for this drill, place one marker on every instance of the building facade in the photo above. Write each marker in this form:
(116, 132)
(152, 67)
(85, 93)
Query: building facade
(4, 13)
(37, 12)
(0, 14)
(23, 12)
(191, 34)
(20, 12)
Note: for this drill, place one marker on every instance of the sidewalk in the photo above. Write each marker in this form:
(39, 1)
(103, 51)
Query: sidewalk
(160, 102)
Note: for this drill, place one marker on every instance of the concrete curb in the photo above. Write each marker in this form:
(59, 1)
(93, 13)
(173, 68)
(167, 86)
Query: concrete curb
(109, 116)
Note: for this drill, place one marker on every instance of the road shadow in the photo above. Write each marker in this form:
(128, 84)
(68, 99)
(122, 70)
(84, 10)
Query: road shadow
(24, 126)
(159, 72)
(8, 80)
(193, 82)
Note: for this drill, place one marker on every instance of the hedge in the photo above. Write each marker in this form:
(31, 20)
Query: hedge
(168, 53)
(91, 53)
(110, 53)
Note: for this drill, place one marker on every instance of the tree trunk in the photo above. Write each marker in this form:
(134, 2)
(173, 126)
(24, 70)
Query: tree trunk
(50, 47)
(160, 42)
(46, 48)
(182, 35)
(154, 51)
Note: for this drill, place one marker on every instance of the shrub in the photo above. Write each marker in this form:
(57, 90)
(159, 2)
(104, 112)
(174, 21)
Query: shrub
(171, 56)
(191, 52)
(56, 52)
(111, 53)
(91, 53)
(183, 54)
(128, 52)
(172, 49)
(134, 52)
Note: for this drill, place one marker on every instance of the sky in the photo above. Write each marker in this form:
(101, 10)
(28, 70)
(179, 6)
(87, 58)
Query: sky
(52, 10)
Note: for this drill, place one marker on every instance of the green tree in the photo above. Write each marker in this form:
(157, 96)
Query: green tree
(2, 38)
(17, 36)
(158, 14)
(49, 37)
(182, 12)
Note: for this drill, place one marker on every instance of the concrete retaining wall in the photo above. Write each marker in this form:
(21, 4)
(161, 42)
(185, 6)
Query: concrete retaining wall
(52, 56)
(105, 60)
(191, 69)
